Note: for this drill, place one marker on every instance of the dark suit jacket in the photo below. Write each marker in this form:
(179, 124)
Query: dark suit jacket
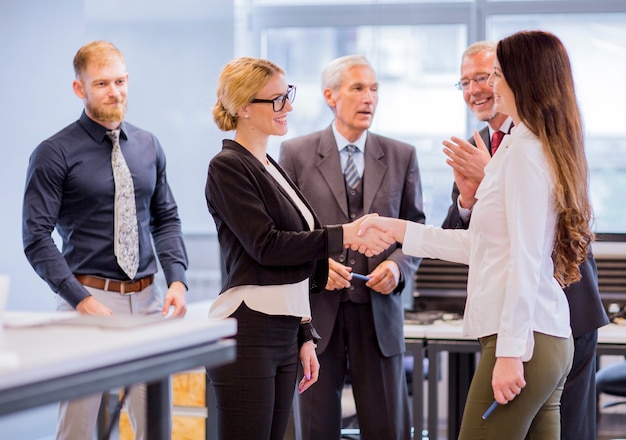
(391, 187)
(585, 306)
(260, 229)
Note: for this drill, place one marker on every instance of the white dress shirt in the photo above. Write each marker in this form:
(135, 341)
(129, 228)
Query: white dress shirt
(511, 288)
(358, 157)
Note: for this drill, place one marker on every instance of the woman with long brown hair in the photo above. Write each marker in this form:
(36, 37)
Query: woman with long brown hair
(530, 231)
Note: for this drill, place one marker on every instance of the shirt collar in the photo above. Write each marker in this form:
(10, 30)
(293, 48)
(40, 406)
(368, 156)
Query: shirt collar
(97, 131)
(342, 141)
(505, 127)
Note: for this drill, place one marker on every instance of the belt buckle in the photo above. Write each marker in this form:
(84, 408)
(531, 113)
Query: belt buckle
(131, 286)
(123, 291)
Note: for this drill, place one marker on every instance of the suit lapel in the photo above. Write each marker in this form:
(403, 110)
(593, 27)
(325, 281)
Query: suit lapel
(329, 166)
(484, 133)
(375, 170)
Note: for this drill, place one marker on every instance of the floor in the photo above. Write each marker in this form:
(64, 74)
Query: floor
(612, 427)
(611, 422)
(38, 424)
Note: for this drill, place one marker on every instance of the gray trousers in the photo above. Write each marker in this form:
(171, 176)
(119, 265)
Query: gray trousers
(77, 418)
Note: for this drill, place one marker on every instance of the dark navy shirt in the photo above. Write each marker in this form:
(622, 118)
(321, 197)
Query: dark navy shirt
(69, 185)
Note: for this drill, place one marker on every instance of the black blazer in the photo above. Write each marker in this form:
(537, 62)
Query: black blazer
(585, 306)
(264, 238)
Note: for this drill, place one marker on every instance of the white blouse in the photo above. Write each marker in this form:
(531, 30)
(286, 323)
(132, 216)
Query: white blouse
(508, 247)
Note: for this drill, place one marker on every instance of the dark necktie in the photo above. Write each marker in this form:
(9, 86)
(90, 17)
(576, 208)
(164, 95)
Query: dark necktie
(125, 240)
(351, 173)
(495, 141)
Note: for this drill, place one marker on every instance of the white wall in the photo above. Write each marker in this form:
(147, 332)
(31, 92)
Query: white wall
(174, 52)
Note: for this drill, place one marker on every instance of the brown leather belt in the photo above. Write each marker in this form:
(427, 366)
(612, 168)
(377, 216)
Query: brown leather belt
(122, 287)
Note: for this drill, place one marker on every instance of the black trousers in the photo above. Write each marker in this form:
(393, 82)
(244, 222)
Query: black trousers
(578, 402)
(254, 394)
(378, 384)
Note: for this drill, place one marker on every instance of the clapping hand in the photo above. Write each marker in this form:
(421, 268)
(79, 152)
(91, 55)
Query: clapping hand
(468, 164)
(371, 242)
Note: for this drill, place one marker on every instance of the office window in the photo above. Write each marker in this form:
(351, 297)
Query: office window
(416, 46)
(344, 2)
(416, 67)
(596, 44)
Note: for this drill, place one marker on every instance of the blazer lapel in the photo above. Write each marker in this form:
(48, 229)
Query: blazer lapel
(375, 170)
(329, 166)
(316, 220)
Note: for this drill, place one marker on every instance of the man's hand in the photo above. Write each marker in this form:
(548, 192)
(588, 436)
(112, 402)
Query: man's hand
(91, 306)
(385, 277)
(175, 297)
(338, 275)
(468, 164)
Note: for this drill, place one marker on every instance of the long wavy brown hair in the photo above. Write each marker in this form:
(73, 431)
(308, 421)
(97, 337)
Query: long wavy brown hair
(537, 68)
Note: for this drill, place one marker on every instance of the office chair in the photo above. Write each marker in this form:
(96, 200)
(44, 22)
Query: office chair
(611, 380)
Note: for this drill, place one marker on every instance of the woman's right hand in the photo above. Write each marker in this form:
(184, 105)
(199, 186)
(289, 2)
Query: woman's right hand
(507, 379)
(394, 228)
(371, 242)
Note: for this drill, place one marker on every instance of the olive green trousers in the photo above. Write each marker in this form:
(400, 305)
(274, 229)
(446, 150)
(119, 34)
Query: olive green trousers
(535, 413)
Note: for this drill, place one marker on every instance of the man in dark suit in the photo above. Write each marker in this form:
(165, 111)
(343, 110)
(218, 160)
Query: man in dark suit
(360, 322)
(587, 314)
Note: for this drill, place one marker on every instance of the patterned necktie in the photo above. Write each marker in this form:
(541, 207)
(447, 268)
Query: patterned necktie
(495, 141)
(126, 241)
(351, 173)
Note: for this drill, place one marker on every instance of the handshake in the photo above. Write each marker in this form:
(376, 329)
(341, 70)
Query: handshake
(369, 235)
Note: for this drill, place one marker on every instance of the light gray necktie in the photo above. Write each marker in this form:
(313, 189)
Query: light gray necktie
(126, 238)
(351, 173)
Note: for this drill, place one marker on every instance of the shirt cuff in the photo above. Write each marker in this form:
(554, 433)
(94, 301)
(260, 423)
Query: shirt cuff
(464, 213)
(307, 333)
(73, 292)
(413, 238)
(175, 272)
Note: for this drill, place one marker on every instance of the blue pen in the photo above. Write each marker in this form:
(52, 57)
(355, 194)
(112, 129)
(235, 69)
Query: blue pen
(490, 410)
(358, 276)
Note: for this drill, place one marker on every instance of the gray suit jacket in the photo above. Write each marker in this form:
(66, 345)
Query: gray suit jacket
(391, 187)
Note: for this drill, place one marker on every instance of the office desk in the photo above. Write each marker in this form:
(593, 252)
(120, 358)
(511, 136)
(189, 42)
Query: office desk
(612, 340)
(415, 336)
(436, 338)
(447, 337)
(60, 362)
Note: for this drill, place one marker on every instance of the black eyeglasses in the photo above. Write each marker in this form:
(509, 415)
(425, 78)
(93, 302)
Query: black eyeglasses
(279, 103)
